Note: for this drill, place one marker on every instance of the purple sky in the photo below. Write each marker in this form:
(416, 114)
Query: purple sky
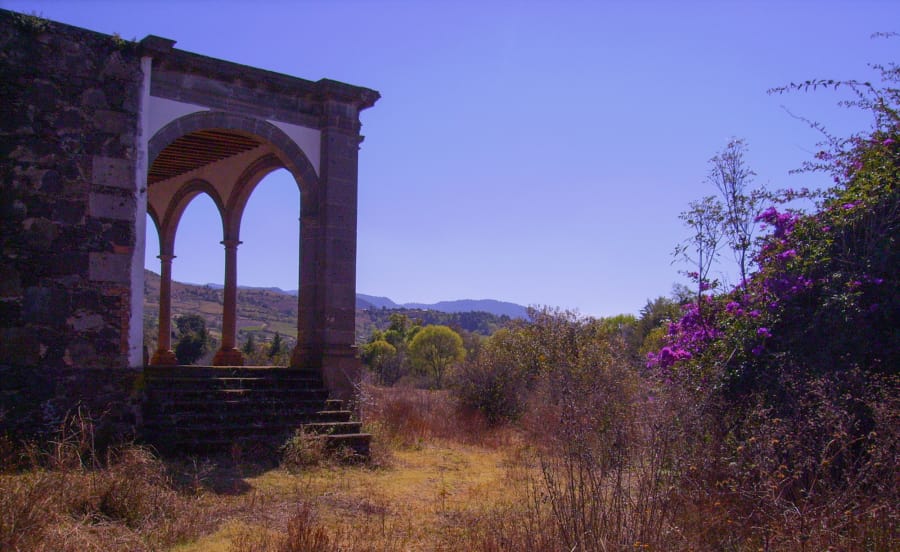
(534, 152)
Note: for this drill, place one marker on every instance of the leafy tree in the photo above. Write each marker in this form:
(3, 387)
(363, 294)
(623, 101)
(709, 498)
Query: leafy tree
(434, 349)
(250, 346)
(391, 364)
(193, 338)
(382, 358)
(654, 315)
(276, 346)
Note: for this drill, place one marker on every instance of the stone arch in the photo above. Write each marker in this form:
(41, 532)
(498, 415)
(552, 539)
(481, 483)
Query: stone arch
(177, 206)
(278, 150)
(293, 157)
(157, 221)
(247, 183)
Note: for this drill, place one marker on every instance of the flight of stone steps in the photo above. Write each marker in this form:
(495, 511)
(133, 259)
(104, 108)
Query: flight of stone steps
(214, 409)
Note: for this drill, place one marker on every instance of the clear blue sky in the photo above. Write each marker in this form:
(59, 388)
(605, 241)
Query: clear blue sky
(534, 152)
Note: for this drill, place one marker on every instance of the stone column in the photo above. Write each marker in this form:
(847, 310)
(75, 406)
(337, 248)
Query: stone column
(336, 300)
(164, 354)
(228, 354)
(308, 351)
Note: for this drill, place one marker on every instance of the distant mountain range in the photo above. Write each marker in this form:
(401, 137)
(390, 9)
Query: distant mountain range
(367, 302)
(499, 308)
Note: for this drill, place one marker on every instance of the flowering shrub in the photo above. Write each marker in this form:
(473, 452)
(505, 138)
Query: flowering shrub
(825, 294)
(798, 366)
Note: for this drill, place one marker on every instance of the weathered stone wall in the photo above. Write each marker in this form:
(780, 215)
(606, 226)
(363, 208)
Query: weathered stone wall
(70, 100)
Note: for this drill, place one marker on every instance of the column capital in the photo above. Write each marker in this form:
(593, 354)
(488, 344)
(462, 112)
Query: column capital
(165, 257)
(231, 243)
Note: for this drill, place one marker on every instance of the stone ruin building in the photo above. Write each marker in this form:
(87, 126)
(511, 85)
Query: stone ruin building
(97, 132)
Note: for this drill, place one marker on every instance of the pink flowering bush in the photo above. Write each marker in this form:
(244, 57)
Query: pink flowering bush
(798, 368)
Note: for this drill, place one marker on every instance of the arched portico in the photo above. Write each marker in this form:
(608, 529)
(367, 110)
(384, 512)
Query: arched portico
(241, 151)
(219, 128)
(167, 227)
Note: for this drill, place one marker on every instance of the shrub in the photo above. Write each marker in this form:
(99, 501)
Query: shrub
(492, 386)
(303, 450)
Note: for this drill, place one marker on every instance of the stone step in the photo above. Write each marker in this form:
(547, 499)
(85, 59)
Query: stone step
(296, 417)
(334, 404)
(357, 442)
(205, 372)
(263, 383)
(160, 394)
(212, 409)
(236, 406)
(258, 430)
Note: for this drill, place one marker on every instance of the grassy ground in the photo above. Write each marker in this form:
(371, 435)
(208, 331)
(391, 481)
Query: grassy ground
(418, 502)
(430, 475)
(437, 479)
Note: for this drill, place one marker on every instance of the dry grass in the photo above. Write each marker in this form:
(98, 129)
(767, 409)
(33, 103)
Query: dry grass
(421, 502)
(127, 502)
(440, 480)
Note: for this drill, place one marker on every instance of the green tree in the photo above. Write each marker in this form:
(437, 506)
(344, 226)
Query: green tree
(656, 314)
(250, 346)
(276, 345)
(193, 339)
(434, 349)
(381, 357)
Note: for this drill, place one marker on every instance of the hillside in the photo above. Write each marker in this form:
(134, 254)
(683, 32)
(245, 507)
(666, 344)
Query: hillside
(265, 311)
(260, 311)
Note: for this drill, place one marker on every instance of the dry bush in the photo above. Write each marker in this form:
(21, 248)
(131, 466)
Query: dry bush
(71, 498)
(302, 534)
(406, 417)
(813, 481)
(303, 450)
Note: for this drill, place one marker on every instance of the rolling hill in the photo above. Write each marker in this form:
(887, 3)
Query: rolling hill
(265, 311)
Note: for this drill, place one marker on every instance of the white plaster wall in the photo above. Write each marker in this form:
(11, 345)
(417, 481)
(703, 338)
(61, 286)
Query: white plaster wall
(309, 140)
(163, 112)
(136, 319)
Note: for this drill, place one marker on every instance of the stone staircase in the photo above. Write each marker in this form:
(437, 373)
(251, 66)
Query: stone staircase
(200, 409)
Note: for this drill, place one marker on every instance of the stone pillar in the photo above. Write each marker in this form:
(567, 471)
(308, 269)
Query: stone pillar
(164, 354)
(308, 350)
(228, 354)
(336, 301)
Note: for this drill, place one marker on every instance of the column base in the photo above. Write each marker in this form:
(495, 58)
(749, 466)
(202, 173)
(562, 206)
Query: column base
(339, 365)
(306, 357)
(164, 357)
(341, 370)
(228, 357)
